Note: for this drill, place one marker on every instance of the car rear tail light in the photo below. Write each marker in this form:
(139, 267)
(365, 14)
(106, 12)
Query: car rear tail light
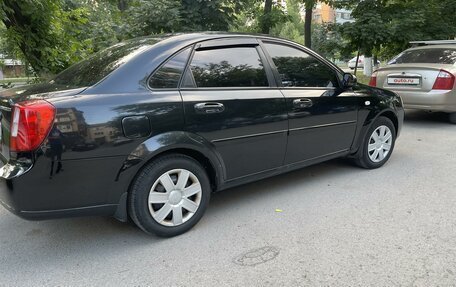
(444, 81)
(32, 121)
(373, 79)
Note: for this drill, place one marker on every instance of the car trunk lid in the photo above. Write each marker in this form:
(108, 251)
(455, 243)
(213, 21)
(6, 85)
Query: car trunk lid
(410, 77)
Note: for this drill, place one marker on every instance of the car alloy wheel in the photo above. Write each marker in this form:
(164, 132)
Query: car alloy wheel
(380, 143)
(174, 197)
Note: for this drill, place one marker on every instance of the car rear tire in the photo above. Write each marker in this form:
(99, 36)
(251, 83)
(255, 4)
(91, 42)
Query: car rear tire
(169, 196)
(377, 145)
(452, 118)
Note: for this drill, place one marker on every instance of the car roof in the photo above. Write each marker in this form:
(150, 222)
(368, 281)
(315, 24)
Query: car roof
(441, 46)
(433, 42)
(210, 35)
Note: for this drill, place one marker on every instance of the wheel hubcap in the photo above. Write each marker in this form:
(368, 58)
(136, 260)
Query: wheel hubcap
(380, 143)
(174, 197)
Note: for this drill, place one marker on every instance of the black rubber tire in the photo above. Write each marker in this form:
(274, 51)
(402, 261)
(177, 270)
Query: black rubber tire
(138, 197)
(362, 159)
(452, 117)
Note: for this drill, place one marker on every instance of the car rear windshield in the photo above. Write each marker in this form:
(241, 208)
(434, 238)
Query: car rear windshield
(427, 56)
(92, 70)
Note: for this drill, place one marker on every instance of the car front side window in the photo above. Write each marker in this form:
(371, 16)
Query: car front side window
(300, 69)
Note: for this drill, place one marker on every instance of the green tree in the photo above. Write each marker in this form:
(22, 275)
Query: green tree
(291, 27)
(370, 28)
(146, 17)
(387, 26)
(309, 7)
(327, 41)
(43, 32)
(272, 15)
(212, 15)
(53, 34)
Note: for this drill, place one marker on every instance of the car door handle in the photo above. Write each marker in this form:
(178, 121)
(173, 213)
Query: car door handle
(209, 108)
(302, 103)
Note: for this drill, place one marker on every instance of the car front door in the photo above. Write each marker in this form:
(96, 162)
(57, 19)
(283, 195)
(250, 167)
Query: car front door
(322, 116)
(229, 102)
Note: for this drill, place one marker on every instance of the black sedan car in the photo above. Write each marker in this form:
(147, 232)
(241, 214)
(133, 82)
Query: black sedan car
(194, 113)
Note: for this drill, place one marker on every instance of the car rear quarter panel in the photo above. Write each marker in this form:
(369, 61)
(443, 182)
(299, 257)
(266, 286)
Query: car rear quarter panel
(81, 166)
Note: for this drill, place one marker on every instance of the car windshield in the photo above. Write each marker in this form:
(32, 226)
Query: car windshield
(92, 70)
(426, 56)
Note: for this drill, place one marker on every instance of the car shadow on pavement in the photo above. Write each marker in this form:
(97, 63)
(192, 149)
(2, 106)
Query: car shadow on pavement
(425, 117)
(224, 200)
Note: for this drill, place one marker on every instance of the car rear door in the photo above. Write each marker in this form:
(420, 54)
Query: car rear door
(322, 116)
(229, 102)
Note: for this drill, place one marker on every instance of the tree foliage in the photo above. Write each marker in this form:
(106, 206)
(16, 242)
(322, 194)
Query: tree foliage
(50, 35)
(327, 40)
(387, 26)
(43, 32)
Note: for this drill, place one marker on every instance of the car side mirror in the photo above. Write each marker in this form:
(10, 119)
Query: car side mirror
(349, 80)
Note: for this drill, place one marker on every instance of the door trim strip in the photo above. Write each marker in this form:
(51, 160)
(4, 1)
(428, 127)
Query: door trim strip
(248, 136)
(323, 126)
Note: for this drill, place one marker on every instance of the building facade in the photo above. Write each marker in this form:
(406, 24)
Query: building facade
(323, 13)
(10, 68)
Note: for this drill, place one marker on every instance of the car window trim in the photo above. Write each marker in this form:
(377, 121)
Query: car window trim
(227, 88)
(166, 62)
(311, 53)
(268, 69)
(226, 42)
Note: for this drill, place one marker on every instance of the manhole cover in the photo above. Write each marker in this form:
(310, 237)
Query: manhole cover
(257, 256)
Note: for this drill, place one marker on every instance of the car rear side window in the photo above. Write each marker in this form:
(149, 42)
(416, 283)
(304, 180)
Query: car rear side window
(426, 56)
(226, 67)
(168, 75)
(299, 69)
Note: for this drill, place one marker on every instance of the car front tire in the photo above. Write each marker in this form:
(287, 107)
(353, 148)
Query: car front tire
(378, 144)
(169, 196)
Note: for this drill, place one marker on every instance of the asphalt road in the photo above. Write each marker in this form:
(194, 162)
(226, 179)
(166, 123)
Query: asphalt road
(339, 226)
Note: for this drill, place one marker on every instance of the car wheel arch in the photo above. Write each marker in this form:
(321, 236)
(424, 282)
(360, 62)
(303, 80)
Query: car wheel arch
(179, 142)
(390, 115)
(370, 119)
(185, 143)
(375, 114)
(196, 154)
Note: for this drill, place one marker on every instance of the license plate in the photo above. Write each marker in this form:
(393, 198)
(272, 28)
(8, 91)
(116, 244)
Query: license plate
(403, 81)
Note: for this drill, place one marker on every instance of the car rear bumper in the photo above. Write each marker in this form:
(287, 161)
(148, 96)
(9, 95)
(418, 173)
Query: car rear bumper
(82, 188)
(444, 101)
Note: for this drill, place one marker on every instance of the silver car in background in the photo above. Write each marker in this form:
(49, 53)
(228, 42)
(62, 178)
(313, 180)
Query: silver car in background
(352, 63)
(423, 76)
